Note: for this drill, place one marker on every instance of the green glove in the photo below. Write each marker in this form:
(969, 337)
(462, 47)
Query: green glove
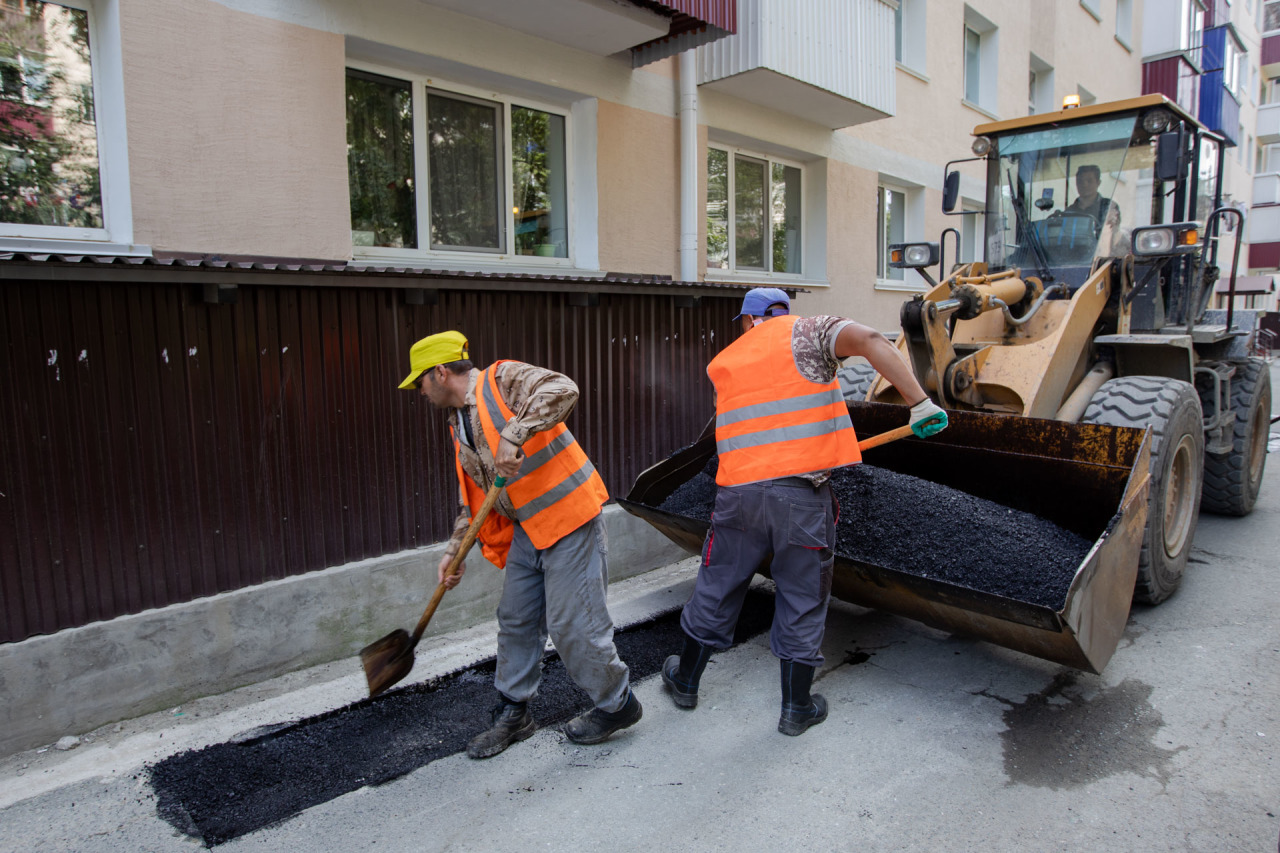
(927, 418)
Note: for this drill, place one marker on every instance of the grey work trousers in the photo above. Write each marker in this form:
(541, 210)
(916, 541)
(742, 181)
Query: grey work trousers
(794, 522)
(559, 591)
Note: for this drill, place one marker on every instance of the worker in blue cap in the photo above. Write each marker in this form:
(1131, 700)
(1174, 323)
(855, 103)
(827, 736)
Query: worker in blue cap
(781, 427)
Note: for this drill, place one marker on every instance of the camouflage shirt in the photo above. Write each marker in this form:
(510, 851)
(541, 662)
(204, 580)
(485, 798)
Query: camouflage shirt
(813, 346)
(538, 398)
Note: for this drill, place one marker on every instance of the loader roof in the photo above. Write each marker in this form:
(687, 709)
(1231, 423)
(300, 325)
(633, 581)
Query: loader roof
(1077, 113)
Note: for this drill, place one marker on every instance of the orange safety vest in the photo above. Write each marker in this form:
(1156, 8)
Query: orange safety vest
(556, 491)
(770, 420)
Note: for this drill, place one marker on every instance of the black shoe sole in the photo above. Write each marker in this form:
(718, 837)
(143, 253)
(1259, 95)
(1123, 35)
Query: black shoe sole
(602, 736)
(682, 699)
(522, 733)
(794, 727)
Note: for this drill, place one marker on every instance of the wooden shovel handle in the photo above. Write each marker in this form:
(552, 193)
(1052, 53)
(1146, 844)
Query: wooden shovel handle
(885, 437)
(473, 530)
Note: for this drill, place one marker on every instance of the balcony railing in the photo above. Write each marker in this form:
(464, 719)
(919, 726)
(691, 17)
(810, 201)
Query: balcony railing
(827, 61)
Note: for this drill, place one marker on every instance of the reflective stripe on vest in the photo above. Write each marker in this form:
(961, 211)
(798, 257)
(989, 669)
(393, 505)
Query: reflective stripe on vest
(770, 422)
(557, 489)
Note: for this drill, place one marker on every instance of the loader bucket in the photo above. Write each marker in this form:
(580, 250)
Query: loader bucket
(1088, 479)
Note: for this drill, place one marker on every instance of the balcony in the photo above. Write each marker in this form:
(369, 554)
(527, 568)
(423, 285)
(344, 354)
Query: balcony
(1264, 225)
(825, 61)
(1266, 189)
(1268, 129)
(605, 27)
(1271, 55)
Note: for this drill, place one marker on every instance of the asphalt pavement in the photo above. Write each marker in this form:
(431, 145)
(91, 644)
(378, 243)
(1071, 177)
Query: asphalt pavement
(934, 742)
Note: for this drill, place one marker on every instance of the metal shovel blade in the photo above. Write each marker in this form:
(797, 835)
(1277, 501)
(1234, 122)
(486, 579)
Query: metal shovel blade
(388, 660)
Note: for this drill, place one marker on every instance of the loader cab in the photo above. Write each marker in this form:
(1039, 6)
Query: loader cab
(1067, 189)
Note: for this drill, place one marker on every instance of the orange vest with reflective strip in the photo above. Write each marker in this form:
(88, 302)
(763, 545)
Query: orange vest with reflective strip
(556, 490)
(770, 420)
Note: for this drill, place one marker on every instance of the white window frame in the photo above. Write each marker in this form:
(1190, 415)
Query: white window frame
(732, 272)
(988, 62)
(1042, 97)
(1191, 27)
(913, 227)
(911, 20)
(1124, 23)
(116, 234)
(1093, 7)
(504, 257)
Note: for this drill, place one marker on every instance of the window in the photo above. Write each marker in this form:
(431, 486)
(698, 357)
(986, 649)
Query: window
(1191, 22)
(1248, 161)
(1093, 7)
(753, 213)
(972, 65)
(1124, 22)
(909, 34)
(1271, 16)
(980, 71)
(1040, 87)
(489, 177)
(61, 157)
(1233, 64)
(891, 221)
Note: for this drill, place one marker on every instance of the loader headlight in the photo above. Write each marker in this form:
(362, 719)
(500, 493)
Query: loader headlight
(981, 145)
(913, 255)
(1175, 239)
(1156, 121)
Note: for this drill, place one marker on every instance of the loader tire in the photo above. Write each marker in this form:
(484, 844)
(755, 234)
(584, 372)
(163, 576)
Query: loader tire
(1172, 409)
(1232, 480)
(856, 380)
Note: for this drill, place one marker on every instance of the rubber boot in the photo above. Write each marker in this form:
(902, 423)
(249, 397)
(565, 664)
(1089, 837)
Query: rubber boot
(512, 723)
(596, 725)
(682, 672)
(799, 709)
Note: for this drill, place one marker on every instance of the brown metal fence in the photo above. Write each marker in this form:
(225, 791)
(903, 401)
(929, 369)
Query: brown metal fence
(155, 448)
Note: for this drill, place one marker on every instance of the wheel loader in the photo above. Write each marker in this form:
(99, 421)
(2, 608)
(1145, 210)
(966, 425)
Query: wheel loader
(1085, 378)
(1100, 313)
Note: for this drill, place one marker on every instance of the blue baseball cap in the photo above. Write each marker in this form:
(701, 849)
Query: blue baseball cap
(758, 300)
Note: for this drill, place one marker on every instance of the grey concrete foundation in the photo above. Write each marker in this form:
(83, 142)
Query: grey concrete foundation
(82, 678)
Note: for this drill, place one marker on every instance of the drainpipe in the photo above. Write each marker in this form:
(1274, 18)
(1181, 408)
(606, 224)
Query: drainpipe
(688, 166)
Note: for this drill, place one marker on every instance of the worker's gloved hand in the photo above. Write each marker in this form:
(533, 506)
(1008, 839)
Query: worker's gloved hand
(927, 418)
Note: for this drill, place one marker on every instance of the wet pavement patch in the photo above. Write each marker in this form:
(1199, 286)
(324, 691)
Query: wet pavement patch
(908, 524)
(1075, 732)
(229, 789)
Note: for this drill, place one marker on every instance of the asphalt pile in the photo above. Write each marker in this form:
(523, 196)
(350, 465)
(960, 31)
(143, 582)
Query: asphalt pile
(908, 524)
(226, 790)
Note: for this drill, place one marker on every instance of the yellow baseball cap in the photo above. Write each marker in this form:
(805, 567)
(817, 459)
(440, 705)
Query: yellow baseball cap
(435, 349)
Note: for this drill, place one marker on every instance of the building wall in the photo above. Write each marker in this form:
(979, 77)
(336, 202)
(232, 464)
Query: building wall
(639, 228)
(237, 140)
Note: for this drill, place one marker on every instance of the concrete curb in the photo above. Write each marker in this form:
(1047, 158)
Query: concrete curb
(79, 679)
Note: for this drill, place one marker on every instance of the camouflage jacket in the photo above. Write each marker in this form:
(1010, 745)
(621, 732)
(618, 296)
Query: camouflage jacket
(538, 398)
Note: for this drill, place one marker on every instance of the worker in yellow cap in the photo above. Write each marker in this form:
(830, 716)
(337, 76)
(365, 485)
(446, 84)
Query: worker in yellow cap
(508, 420)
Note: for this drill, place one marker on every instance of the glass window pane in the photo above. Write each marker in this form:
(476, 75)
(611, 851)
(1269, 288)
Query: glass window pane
(897, 32)
(48, 134)
(890, 218)
(462, 155)
(380, 161)
(972, 45)
(748, 213)
(717, 209)
(538, 171)
(785, 195)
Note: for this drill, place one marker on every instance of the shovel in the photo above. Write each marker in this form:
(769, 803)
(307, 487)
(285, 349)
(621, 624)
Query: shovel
(388, 660)
(885, 437)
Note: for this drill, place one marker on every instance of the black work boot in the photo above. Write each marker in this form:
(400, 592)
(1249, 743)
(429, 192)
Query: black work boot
(682, 672)
(799, 709)
(512, 723)
(596, 725)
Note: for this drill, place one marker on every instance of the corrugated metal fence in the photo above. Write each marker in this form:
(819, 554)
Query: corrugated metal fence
(155, 448)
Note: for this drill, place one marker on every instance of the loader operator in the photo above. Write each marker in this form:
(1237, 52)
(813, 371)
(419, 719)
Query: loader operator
(781, 426)
(1092, 204)
(546, 530)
